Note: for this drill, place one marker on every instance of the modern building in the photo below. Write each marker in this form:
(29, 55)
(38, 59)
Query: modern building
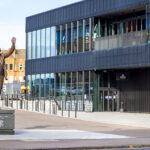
(94, 52)
(15, 66)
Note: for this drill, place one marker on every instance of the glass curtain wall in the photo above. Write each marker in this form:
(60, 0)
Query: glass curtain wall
(37, 86)
(43, 43)
(52, 85)
(58, 84)
(42, 85)
(86, 84)
(91, 84)
(48, 42)
(68, 84)
(68, 38)
(29, 37)
(63, 84)
(33, 44)
(53, 40)
(80, 36)
(80, 83)
(63, 39)
(29, 80)
(47, 86)
(74, 83)
(87, 35)
(58, 40)
(38, 44)
(74, 42)
(33, 87)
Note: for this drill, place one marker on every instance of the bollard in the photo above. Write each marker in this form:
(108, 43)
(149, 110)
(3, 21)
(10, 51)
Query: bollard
(49, 106)
(76, 106)
(69, 109)
(44, 105)
(62, 112)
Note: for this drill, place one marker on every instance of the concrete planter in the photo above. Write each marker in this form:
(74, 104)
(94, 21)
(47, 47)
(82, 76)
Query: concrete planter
(7, 122)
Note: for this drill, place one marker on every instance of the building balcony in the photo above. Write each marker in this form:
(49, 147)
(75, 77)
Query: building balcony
(121, 40)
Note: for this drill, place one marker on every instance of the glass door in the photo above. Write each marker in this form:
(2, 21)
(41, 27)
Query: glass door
(108, 100)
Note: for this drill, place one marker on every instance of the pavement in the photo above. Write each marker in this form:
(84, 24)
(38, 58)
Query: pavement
(128, 119)
(41, 131)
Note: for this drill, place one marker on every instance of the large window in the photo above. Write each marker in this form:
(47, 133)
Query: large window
(58, 40)
(80, 36)
(87, 36)
(10, 67)
(33, 44)
(47, 86)
(37, 86)
(68, 83)
(48, 42)
(74, 83)
(42, 85)
(33, 87)
(53, 41)
(86, 83)
(74, 37)
(42, 43)
(63, 85)
(52, 84)
(29, 45)
(69, 39)
(58, 84)
(29, 84)
(80, 83)
(63, 40)
(38, 44)
(91, 82)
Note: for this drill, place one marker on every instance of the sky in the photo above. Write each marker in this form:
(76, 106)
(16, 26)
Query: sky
(13, 14)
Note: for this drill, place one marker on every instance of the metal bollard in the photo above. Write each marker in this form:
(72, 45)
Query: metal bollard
(75, 110)
(69, 109)
(62, 112)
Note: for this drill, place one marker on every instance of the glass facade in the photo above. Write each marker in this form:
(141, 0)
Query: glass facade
(71, 85)
(29, 45)
(81, 36)
(64, 39)
(53, 41)
(48, 42)
(38, 44)
(43, 43)
(33, 44)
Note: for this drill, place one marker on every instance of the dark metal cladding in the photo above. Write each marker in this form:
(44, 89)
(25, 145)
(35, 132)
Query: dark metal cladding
(66, 63)
(119, 58)
(77, 11)
(125, 57)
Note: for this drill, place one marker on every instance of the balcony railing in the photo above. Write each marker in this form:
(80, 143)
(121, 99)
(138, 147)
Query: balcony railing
(121, 40)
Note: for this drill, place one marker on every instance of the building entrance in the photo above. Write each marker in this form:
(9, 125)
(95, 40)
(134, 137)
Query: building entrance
(108, 99)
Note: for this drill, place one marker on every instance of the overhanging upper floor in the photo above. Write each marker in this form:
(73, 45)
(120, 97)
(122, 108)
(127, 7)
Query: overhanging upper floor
(118, 58)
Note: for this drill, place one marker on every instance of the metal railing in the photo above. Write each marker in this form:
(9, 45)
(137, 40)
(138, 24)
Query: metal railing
(61, 104)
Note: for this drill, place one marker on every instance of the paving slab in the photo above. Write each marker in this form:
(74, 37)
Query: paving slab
(58, 135)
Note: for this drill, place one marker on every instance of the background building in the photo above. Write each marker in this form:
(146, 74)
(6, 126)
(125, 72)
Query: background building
(15, 66)
(91, 52)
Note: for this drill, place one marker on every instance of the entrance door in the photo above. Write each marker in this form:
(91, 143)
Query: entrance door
(108, 99)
